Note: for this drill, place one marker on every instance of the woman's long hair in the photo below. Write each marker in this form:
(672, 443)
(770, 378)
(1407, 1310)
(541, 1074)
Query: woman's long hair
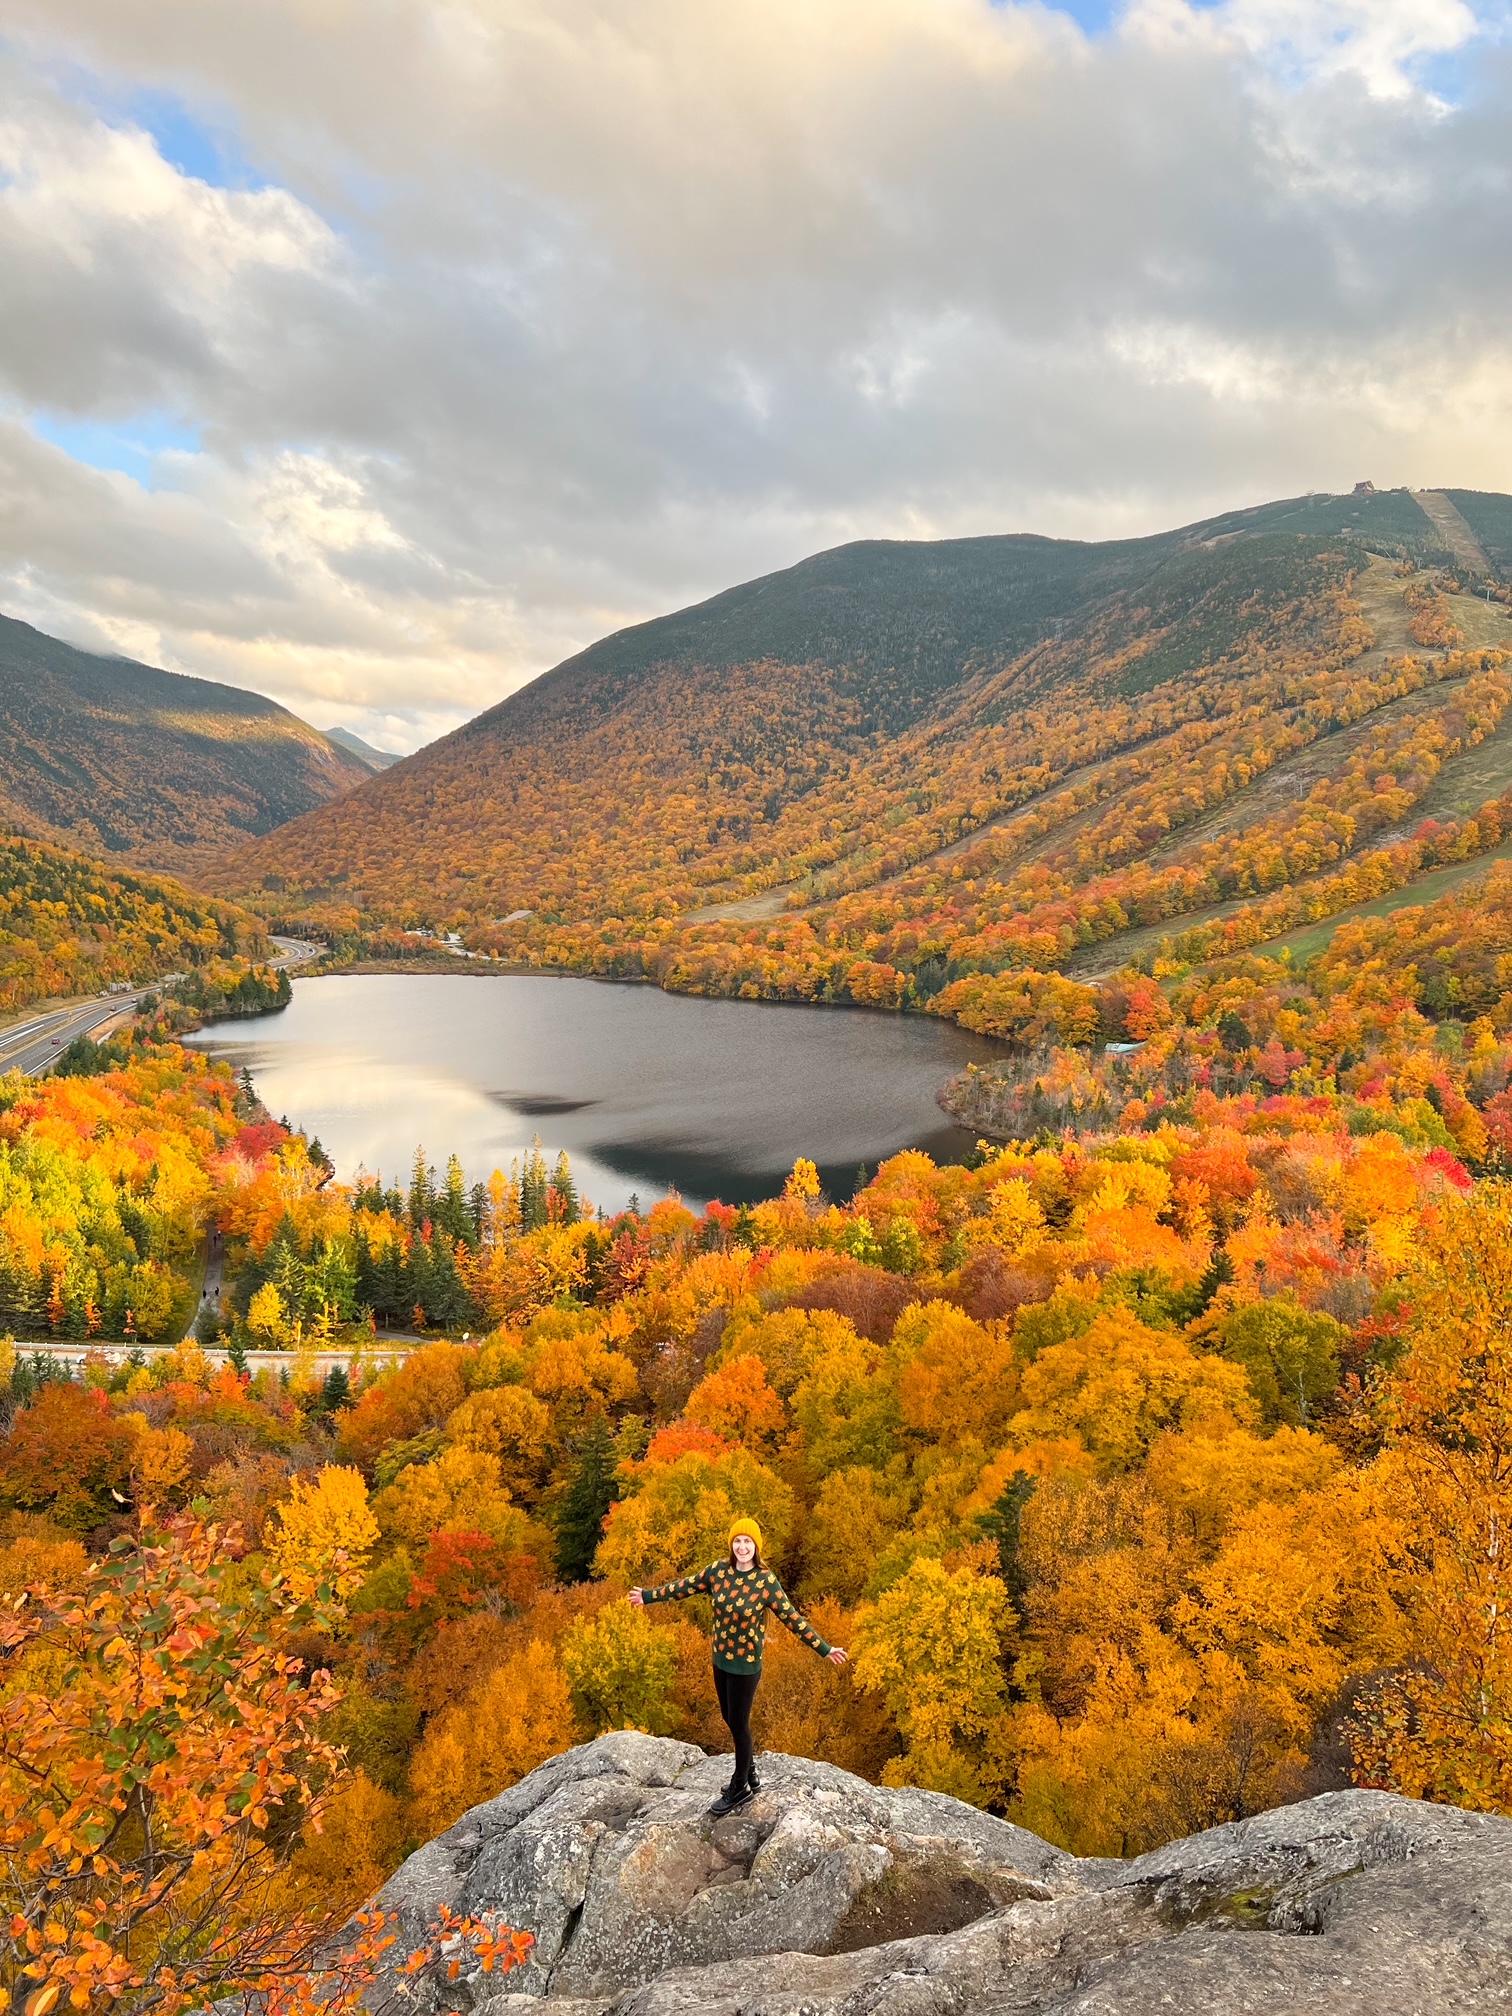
(757, 1563)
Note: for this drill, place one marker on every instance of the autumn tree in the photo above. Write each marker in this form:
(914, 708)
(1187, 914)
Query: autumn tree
(1291, 1355)
(676, 1516)
(933, 1647)
(1441, 1727)
(160, 1753)
(69, 1455)
(519, 1715)
(324, 1531)
(620, 1667)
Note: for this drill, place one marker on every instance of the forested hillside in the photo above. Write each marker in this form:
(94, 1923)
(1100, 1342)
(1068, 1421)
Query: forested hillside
(123, 761)
(68, 925)
(1137, 1472)
(897, 766)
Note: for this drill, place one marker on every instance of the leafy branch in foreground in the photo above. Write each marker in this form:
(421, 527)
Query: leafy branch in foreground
(161, 1757)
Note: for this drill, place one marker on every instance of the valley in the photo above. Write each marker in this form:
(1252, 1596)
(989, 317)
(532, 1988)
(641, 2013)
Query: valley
(755, 1009)
(990, 1059)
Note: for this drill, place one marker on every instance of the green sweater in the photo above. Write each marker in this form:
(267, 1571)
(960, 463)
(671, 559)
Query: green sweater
(740, 1596)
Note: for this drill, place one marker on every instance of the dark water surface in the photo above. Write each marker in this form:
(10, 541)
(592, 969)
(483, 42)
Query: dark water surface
(644, 1090)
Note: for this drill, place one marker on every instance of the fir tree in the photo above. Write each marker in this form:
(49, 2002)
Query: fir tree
(580, 1517)
(422, 1193)
(453, 1213)
(534, 1186)
(566, 1208)
(1001, 1523)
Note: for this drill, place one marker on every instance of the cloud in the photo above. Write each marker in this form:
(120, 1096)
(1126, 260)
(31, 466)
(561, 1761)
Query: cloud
(539, 316)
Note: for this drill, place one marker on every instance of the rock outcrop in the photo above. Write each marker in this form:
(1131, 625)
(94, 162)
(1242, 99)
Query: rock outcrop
(826, 1896)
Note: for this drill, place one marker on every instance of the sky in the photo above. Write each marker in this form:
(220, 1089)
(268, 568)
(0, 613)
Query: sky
(378, 354)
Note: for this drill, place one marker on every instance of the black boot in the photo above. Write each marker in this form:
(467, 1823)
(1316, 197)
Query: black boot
(734, 1794)
(753, 1783)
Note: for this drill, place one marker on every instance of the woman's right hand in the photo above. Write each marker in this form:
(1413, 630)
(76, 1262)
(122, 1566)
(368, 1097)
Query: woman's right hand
(638, 1598)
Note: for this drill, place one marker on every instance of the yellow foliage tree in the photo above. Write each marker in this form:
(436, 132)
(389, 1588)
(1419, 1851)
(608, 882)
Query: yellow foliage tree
(846, 1407)
(620, 1668)
(956, 1378)
(324, 1527)
(510, 1424)
(678, 1517)
(855, 1517)
(933, 1647)
(1441, 1728)
(161, 1463)
(1120, 1384)
(356, 1848)
(461, 1490)
(266, 1318)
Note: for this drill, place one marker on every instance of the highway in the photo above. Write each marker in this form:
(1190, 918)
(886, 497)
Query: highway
(34, 1046)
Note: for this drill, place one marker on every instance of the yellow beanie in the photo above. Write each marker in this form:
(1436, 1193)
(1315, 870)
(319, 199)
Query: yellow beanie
(748, 1527)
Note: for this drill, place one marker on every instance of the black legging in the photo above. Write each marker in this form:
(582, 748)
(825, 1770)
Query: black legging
(736, 1692)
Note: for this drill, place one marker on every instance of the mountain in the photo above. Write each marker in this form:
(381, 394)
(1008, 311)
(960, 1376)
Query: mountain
(69, 925)
(927, 759)
(375, 759)
(830, 1895)
(126, 762)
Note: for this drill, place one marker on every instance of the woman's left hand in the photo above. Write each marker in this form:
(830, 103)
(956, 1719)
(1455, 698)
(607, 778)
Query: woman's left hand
(837, 1655)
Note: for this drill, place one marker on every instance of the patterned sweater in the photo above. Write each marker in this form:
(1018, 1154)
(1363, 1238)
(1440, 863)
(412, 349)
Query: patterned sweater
(741, 1597)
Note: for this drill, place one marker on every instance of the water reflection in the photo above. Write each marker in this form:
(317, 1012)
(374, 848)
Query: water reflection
(646, 1091)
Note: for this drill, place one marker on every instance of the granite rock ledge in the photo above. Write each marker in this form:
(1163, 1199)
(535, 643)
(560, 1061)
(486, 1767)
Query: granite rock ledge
(827, 1896)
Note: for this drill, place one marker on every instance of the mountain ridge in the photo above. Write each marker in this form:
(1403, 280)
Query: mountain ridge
(144, 767)
(374, 759)
(800, 739)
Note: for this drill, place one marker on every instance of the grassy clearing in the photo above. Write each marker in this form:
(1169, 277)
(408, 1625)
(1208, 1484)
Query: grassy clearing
(1309, 939)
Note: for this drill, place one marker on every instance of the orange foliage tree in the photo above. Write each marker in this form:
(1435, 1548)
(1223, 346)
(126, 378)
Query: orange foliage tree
(160, 1752)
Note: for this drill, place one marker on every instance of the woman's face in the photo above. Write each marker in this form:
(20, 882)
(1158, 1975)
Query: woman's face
(743, 1547)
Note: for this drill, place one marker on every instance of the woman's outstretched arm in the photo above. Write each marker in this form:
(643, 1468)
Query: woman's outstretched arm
(785, 1611)
(673, 1592)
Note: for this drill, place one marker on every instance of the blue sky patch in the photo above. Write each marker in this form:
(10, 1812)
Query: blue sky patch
(191, 143)
(130, 446)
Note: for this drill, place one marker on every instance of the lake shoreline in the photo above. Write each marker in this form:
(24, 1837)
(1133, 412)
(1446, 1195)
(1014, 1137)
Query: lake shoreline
(480, 969)
(646, 1090)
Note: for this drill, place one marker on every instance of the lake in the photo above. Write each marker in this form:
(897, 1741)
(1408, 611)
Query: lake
(646, 1091)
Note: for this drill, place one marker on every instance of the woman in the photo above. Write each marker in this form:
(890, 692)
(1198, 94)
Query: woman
(743, 1589)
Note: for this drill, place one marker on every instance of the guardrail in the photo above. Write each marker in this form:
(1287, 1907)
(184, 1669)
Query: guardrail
(381, 1353)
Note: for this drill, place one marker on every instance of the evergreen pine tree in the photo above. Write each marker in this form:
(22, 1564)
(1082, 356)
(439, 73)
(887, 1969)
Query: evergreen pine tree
(453, 1214)
(567, 1209)
(336, 1390)
(422, 1193)
(388, 1279)
(580, 1517)
(415, 1284)
(446, 1300)
(534, 1184)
